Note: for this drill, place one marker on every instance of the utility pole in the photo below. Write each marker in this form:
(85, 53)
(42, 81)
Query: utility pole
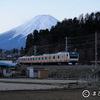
(35, 50)
(95, 50)
(66, 48)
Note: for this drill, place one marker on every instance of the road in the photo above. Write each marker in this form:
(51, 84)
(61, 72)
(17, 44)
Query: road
(35, 84)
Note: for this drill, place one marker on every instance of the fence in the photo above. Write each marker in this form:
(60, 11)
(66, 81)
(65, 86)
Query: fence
(93, 79)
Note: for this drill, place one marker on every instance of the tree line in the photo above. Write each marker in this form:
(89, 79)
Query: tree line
(79, 30)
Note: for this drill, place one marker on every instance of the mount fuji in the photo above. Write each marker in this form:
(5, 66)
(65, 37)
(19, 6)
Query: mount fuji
(15, 38)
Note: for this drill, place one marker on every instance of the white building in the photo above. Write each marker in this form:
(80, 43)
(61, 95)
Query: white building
(32, 71)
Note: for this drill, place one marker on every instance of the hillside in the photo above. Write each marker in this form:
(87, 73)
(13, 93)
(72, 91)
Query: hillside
(80, 33)
(16, 37)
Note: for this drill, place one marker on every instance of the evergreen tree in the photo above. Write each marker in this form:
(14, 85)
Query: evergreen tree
(21, 51)
(35, 36)
(29, 42)
(15, 50)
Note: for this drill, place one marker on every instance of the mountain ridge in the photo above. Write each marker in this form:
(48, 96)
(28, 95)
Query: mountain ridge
(16, 37)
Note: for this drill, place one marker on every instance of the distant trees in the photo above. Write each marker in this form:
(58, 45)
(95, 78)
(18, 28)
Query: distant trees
(15, 50)
(0, 50)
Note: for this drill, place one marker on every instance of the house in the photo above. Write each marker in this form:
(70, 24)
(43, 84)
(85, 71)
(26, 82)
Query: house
(37, 72)
(7, 68)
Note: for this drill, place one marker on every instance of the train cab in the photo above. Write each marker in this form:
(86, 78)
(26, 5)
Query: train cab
(74, 57)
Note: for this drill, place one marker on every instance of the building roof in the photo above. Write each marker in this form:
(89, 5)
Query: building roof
(7, 64)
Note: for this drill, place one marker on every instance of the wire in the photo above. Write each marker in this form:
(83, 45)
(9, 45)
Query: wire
(80, 37)
(86, 36)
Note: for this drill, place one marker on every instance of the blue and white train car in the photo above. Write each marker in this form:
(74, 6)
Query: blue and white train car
(60, 57)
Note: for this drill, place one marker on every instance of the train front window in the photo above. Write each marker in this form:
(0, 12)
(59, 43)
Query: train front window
(73, 55)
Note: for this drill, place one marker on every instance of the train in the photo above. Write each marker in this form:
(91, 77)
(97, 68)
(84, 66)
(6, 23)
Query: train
(54, 58)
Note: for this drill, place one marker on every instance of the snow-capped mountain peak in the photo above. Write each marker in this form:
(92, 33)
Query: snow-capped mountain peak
(16, 37)
(37, 23)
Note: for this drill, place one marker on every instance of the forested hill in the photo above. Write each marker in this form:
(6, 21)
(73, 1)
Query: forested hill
(80, 32)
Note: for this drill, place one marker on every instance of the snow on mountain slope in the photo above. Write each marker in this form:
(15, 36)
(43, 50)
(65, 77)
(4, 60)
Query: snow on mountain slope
(16, 37)
(37, 23)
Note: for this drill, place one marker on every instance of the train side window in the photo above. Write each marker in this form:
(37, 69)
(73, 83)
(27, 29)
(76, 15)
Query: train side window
(45, 58)
(66, 55)
(33, 58)
(53, 57)
(58, 57)
(36, 58)
(62, 56)
(30, 58)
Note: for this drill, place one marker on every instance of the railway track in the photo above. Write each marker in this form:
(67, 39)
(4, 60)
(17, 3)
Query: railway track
(77, 67)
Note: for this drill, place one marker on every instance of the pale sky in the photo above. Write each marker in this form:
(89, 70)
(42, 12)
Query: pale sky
(16, 12)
